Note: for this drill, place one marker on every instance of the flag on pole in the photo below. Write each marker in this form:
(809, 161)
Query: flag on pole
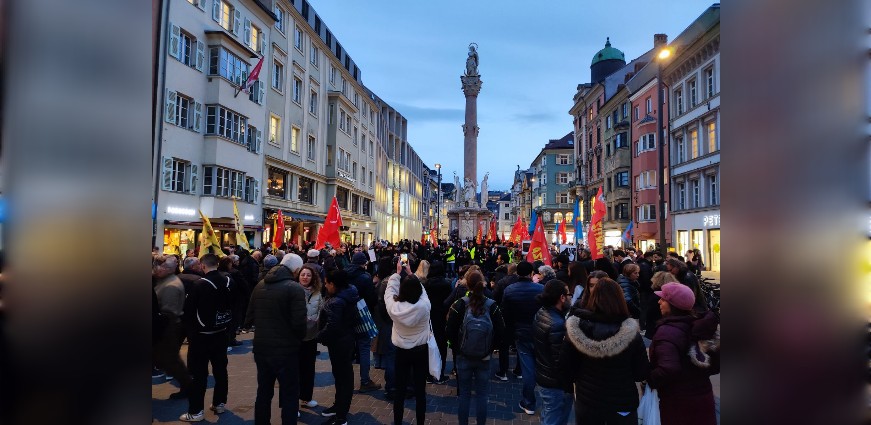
(562, 230)
(627, 235)
(480, 234)
(209, 239)
(492, 231)
(241, 239)
(330, 231)
(252, 77)
(433, 237)
(532, 223)
(538, 248)
(278, 229)
(524, 232)
(595, 237)
(577, 223)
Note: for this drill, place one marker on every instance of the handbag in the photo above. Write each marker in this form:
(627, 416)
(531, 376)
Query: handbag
(367, 323)
(435, 357)
(648, 407)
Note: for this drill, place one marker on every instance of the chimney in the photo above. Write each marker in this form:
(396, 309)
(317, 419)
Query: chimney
(659, 40)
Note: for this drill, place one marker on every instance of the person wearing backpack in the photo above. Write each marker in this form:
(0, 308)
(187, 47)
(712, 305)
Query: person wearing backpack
(337, 321)
(554, 389)
(475, 325)
(209, 303)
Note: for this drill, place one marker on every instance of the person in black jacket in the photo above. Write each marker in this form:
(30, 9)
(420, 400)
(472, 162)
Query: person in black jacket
(550, 330)
(277, 308)
(337, 321)
(561, 267)
(438, 288)
(604, 355)
(628, 281)
(239, 295)
(519, 306)
(360, 279)
(385, 324)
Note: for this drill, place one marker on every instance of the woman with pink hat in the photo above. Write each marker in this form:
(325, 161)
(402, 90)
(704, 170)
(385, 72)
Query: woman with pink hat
(680, 369)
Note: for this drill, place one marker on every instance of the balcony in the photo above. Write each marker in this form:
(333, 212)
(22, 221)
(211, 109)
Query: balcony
(618, 194)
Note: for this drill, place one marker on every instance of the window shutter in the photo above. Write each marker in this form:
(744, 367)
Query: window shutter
(261, 89)
(216, 11)
(202, 5)
(194, 178)
(262, 39)
(256, 191)
(198, 116)
(201, 55)
(169, 113)
(247, 33)
(167, 173)
(257, 142)
(237, 21)
(174, 35)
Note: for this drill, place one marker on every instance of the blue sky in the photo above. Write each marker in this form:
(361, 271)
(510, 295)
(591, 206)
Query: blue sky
(532, 57)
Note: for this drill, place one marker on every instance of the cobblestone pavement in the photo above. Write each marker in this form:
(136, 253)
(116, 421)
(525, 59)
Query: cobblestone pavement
(368, 408)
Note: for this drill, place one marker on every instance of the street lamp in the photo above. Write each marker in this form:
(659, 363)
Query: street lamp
(663, 55)
(439, 203)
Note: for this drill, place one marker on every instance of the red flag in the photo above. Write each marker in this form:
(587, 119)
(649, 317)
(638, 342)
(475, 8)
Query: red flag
(252, 77)
(515, 233)
(433, 237)
(492, 232)
(538, 248)
(480, 234)
(595, 237)
(524, 232)
(503, 236)
(562, 230)
(278, 227)
(330, 231)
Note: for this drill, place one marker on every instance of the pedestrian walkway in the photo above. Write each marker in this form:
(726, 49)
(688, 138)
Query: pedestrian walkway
(369, 408)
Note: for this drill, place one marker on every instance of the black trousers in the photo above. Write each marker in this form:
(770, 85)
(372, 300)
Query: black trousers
(342, 363)
(411, 363)
(589, 416)
(307, 357)
(165, 355)
(202, 350)
(285, 370)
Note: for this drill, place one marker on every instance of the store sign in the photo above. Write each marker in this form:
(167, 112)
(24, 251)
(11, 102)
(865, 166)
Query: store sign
(181, 211)
(249, 217)
(711, 220)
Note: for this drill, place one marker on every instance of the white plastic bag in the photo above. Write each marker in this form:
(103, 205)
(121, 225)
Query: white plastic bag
(648, 407)
(435, 358)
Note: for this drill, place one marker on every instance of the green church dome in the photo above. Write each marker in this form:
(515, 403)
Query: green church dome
(608, 53)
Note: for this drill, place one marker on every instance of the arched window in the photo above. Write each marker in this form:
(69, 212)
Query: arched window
(557, 217)
(569, 217)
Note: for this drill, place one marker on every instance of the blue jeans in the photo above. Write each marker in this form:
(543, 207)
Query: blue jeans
(556, 405)
(526, 354)
(364, 347)
(467, 370)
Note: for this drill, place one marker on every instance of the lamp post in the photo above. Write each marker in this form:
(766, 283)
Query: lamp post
(663, 54)
(439, 203)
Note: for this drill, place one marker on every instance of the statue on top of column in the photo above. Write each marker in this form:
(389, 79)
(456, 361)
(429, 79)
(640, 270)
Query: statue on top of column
(472, 61)
(484, 193)
(469, 190)
(458, 190)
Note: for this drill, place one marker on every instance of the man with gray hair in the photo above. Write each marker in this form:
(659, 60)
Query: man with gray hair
(171, 299)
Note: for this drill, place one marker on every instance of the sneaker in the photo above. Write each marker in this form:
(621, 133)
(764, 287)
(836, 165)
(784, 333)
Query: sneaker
(329, 411)
(503, 377)
(369, 386)
(188, 417)
(311, 403)
(229, 349)
(169, 377)
(525, 410)
(156, 373)
(221, 408)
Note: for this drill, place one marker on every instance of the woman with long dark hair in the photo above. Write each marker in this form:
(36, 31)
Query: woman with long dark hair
(469, 367)
(310, 281)
(577, 280)
(604, 355)
(592, 279)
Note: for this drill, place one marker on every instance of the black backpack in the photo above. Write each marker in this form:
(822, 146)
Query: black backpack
(214, 313)
(476, 332)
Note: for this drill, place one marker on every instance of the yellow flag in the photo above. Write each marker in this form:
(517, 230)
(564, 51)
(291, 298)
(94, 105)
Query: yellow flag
(209, 239)
(241, 239)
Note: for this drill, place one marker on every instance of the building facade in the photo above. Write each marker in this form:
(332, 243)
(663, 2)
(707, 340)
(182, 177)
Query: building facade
(505, 217)
(553, 175)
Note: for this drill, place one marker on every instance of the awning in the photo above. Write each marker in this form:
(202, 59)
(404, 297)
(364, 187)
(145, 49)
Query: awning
(198, 225)
(303, 217)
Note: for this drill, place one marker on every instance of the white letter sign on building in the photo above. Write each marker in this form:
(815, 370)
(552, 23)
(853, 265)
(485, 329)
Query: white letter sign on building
(712, 220)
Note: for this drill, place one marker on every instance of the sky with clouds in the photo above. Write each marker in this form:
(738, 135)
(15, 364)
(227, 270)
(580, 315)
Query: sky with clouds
(532, 57)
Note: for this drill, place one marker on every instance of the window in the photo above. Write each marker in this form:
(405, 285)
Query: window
(294, 139)
(713, 199)
(186, 49)
(225, 183)
(276, 184)
(312, 148)
(371, 148)
(614, 117)
(544, 160)
(367, 207)
(278, 76)
(621, 179)
(313, 55)
(543, 180)
(363, 143)
(183, 111)
(342, 197)
(355, 203)
(342, 115)
(712, 136)
(681, 154)
(313, 103)
(649, 103)
(354, 139)
(709, 81)
(621, 211)
(647, 212)
(275, 130)
(694, 144)
(591, 113)
(505, 216)
(348, 124)
(625, 111)
(305, 190)
(223, 13)
(223, 122)
(297, 90)
(258, 92)
(621, 140)
(297, 38)
(332, 75)
(356, 99)
(678, 101)
(255, 138)
(562, 198)
(280, 23)
(695, 188)
(608, 122)
(563, 159)
(254, 37)
(371, 179)
(363, 176)
(227, 65)
(681, 195)
(636, 112)
(179, 175)
(607, 150)
(645, 180)
(353, 170)
(646, 142)
(691, 87)
(562, 178)
(198, 3)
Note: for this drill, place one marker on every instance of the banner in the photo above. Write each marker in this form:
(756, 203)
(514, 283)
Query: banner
(330, 231)
(562, 231)
(517, 232)
(480, 234)
(595, 235)
(538, 249)
(627, 235)
(209, 241)
(278, 232)
(241, 239)
(492, 232)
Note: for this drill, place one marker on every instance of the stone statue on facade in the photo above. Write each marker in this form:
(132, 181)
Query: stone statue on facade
(469, 191)
(484, 193)
(458, 190)
(472, 61)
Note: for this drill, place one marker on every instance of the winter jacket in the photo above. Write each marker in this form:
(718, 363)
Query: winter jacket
(358, 277)
(605, 358)
(207, 297)
(457, 313)
(411, 327)
(631, 295)
(438, 289)
(501, 284)
(562, 273)
(249, 268)
(278, 310)
(519, 306)
(171, 297)
(339, 318)
(689, 279)
(549, 333)
(314, 302)
(498, 275)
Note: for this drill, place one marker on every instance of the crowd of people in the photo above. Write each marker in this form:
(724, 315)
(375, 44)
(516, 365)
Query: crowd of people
(586, 332)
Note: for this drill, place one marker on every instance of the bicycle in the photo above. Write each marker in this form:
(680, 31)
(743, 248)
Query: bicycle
(711, 291)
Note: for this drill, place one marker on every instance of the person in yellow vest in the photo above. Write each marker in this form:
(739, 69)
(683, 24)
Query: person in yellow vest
(451, 260)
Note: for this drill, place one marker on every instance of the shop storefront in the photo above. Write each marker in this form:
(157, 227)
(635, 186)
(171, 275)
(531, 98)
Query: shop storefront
(700, 231)
(181, 236)
(298, 227)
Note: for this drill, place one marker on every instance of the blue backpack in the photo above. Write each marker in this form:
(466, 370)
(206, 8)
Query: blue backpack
(476, 332)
